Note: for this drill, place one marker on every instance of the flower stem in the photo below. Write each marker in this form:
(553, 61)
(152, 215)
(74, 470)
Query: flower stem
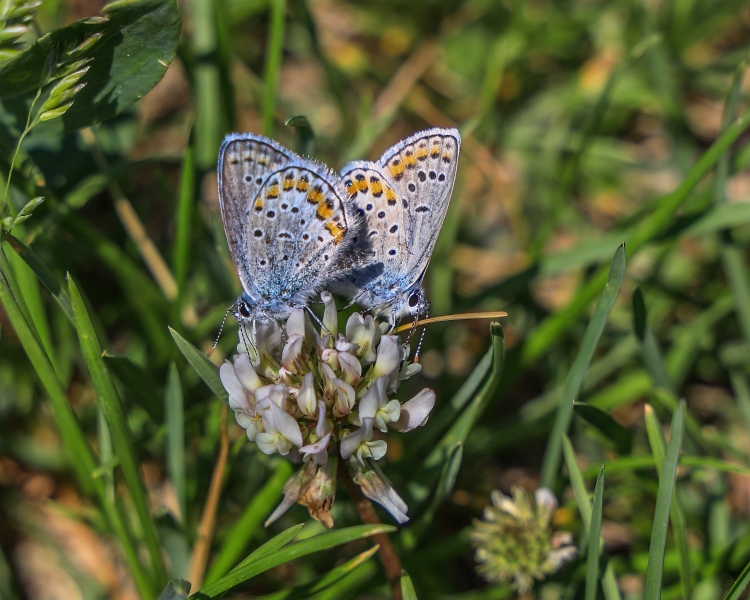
(387, 553)
(208, 518)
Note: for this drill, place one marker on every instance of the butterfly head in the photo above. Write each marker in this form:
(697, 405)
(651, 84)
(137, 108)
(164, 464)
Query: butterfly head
(244, 310)
(411, 303)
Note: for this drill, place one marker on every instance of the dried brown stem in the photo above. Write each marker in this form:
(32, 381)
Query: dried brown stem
(387, 553)
(208, 518)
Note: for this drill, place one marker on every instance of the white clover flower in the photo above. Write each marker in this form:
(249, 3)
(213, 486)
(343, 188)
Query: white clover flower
(319, 396)
(375, 405)
(515, 543)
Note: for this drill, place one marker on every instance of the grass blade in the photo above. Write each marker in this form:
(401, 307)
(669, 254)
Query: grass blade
(433, 464)
(44, 274)
(739, 585)
(174, 410)
(207, 370)
(73, 438)
(273, 63)
(117, 422)
(679, 524)
(184, 218)
(318, 543)
(609, 582)
(243, 530)
(594, 330)
(553, 327)
(595, 528)
(324, 582)
(663, 501)
(272, 545)
(407, 587)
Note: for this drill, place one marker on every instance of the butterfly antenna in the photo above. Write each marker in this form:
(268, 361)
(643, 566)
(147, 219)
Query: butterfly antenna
(421, 339)
(221, 329)
(318, 321)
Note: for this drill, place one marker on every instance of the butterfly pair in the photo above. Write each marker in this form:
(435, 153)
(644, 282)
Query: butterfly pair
(294, 227)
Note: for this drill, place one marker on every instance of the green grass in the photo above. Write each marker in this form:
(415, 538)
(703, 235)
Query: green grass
(601, 201)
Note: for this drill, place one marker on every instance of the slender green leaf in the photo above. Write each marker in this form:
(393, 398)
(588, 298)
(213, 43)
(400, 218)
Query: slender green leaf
(272, 545)
(207, 370)
(595, 528)
(594, 330)
(324, 541)
(324, 582)
(609, 581)
(735, 592)
(462, 425)
(273, 63)
(679, 524)
(174, 409)
(407, 587)
(243, 530)
(183, 220)
(612, 430)
(554, 327)
(73, 437)
(117, 423)
(465, 393)
(654, 571)
(44, 274)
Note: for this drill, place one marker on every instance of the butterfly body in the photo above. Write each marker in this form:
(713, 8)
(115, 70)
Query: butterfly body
(287, 222)
(402, 199)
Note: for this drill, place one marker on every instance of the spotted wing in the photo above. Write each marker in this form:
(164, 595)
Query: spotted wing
(245, 162)
(381, 240)
(422, 171)
(298, 232)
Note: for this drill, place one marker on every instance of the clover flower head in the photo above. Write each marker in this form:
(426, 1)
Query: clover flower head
(514, 540)
(324, 395)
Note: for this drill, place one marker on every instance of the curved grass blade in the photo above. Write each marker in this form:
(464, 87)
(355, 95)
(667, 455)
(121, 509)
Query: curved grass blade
(117, 422)
(273, 63)
(244, 529)
(250, 568)
(407, 587)
(272, 545)
(73, 438)
(207, 370)
(594, 330)
(595, 529)
(324, 582)
(433, 464)
(663, 502)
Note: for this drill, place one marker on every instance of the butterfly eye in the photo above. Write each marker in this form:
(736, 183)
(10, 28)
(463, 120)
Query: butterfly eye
(244, 310)
(414, 299)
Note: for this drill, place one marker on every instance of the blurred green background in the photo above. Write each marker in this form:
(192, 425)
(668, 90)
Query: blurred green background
(585, 124)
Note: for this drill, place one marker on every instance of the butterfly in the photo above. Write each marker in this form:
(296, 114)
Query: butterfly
(288, 222)
(402, 199)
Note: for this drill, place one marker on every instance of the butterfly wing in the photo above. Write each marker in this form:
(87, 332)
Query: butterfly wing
(245, 162)
(403, 199)
(298, 233)
(422, 170)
